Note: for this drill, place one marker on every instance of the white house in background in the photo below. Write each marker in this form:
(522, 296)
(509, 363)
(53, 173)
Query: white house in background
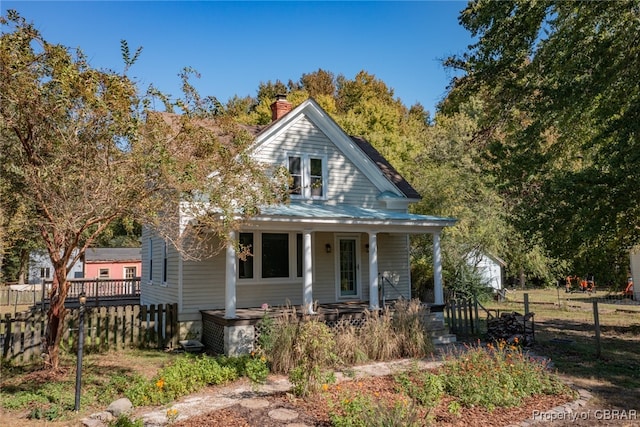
(347, 224)
(489, 267)
(634, 256)
(41, 268)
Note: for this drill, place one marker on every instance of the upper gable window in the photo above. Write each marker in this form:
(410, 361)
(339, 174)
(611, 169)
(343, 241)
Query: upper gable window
(295, 171)
(308, 176)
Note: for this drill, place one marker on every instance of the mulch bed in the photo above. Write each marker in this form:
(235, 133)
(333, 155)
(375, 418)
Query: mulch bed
(314, 411)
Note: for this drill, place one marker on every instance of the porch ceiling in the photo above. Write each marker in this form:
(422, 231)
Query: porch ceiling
(337, 217)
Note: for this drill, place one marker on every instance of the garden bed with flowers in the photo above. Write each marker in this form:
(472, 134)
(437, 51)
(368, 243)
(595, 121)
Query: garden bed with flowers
(486, 386)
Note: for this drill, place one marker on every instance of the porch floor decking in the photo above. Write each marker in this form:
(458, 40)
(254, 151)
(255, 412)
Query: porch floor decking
(326, 311)
(248, 316)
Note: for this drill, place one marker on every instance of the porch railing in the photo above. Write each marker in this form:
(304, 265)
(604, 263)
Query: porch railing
(383, 282)
(99, 289)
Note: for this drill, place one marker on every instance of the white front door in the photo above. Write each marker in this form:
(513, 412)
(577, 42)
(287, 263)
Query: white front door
(348, 270)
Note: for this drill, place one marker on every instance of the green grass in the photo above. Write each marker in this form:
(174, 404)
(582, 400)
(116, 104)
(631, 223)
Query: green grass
(145, 377)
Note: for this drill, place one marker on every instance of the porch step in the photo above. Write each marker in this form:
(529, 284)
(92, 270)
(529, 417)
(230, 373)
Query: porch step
(433, 325)
(444, 339)
(438, 332)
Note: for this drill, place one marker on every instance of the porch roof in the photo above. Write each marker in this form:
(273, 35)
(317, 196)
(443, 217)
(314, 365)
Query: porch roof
(330, 217)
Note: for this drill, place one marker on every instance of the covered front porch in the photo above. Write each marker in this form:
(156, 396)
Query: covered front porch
(322, 246)
(326, 260)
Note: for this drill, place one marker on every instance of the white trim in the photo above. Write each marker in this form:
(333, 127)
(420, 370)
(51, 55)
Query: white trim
(343, 224)
(373, 271)
(305, 172)
(358, 270)
(257, 278)
(165, 264)
(438, 293)
(307, 272)
(231, 262)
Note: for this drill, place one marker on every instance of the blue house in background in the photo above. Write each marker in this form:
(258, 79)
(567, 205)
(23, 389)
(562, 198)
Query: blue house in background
(40, 267)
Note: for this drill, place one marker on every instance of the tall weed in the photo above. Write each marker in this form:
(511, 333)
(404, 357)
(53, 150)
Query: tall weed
(409, 325)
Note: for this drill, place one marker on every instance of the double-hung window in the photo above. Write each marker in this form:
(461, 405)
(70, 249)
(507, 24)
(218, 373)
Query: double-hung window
(308, 176)
(270, 256)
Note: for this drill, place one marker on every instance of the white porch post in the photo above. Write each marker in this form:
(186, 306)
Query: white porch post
(230, 279)
(307, 273)
(437, 270)
(373, 271)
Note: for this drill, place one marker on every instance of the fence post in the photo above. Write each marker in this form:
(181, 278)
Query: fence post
(475, 305)
(8, 336)
(596, 319)
(472, 321)
(454, 323)
(44, 286)
(526, 304)
(97, 290)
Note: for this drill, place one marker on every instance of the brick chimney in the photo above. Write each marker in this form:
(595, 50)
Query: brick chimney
(280, 107)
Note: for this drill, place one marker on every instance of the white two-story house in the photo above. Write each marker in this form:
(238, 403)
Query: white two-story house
(343, 236)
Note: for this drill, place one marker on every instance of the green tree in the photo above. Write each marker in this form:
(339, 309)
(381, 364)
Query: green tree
(560, 83)
(80, 149)
(318, 83)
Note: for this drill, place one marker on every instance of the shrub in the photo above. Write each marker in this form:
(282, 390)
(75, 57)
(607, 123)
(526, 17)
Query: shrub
(124, 421)
(378, 339)
(363, 411)
(282, 335)
(349, 348)
(186, 375)
(424, 388)
(314, 352)
(256, 369)
(498, 376)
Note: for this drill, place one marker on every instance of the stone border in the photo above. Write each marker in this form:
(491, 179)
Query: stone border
(559, 412)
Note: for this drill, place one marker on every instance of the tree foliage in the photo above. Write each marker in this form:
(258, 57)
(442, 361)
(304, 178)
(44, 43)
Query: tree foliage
(80, 150)
(559, 80)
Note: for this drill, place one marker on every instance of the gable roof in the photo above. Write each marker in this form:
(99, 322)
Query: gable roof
(380, 171)
(386, 168)
(262, 132)
(112, 254)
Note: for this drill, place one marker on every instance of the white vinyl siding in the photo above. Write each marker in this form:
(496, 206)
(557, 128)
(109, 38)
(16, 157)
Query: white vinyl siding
(393, 252)
(150, 292)
(346, 184)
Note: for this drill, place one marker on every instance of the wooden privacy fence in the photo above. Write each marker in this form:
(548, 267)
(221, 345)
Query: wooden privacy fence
(30, 296)
(105, 328)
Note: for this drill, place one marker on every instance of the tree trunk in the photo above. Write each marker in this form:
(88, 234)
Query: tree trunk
(55, 319)
(24, 260)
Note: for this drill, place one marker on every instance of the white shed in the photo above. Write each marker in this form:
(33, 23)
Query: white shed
(489, 267)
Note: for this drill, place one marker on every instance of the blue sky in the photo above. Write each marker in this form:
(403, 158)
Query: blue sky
(235, 45)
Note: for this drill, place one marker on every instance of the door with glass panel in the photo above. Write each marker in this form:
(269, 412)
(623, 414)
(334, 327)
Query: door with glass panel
(348, 268)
